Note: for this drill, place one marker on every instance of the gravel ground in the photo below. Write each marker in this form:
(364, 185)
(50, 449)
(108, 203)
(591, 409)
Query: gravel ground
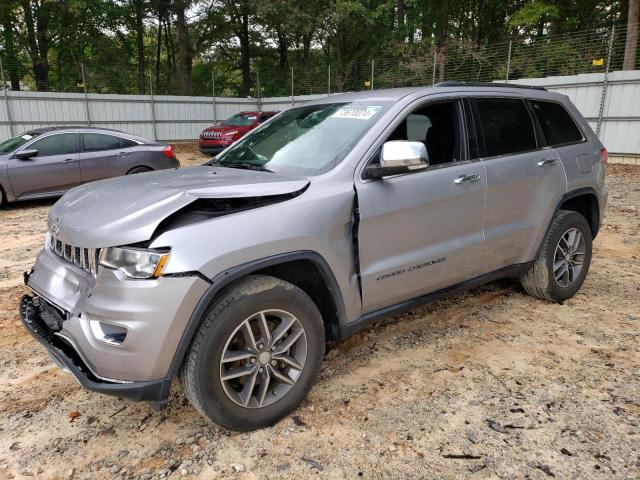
(486, 384)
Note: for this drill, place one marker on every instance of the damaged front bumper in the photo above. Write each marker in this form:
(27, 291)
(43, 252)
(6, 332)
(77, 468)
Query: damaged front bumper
(63, 353)
(116, 335)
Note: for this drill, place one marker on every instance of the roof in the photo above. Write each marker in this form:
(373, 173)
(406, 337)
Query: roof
(395, 94)
(256, 113)
(72, 127)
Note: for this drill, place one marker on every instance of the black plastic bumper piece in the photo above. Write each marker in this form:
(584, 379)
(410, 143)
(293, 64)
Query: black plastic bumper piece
(212, 150)
(155, 392)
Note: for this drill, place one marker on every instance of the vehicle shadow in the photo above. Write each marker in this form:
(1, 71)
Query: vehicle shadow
(28, 204)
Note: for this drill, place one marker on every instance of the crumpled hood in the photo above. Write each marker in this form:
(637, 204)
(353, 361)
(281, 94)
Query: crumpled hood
(126, 210)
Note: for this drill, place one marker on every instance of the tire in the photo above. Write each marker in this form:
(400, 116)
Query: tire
(224, 330)
(541, 280)
(135, 170)
(1, 197)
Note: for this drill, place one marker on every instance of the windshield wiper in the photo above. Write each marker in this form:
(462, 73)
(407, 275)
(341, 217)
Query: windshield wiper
(246, 166)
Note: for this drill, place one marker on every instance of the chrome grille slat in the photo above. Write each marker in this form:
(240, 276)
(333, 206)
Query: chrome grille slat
(84, 258)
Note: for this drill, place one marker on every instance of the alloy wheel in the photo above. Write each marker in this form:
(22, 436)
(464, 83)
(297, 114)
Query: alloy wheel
(568, 259)
(263, 358)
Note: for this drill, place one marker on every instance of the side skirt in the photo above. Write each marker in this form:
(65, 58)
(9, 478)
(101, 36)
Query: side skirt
(346, 330)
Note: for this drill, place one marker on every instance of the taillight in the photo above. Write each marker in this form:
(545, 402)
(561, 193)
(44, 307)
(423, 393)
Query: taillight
(604, 156)
(168, 151)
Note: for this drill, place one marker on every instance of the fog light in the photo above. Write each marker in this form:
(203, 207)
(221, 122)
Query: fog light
(108, 332)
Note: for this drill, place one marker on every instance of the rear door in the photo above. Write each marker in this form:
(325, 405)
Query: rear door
(423, 231)
(524, 179)
(105, 155)
(55, 168)
(561, 131)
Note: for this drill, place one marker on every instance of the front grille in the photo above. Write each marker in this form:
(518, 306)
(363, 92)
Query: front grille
(215, 135)
(84, 258)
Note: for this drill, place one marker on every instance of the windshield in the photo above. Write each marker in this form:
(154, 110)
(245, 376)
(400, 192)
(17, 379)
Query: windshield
(307, 140)
(15, 142)
(240, 120)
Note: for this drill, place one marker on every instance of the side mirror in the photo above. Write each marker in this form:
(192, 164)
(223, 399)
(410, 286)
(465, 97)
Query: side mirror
(398, 157)
(26, 154)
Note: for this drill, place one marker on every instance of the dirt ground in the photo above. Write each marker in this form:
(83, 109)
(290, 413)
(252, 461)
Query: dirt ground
(487, 384)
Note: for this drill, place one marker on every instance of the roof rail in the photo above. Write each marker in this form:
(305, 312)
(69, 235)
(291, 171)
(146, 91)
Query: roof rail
(455, 83)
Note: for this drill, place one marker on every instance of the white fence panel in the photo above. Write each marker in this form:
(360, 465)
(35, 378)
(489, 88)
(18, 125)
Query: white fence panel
(183, 118)
(620, 123)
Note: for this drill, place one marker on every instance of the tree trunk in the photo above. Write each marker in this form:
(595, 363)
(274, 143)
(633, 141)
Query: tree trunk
(185, 49)
(631, 45)
(245, 54)
(283, 48)
(158, 48)
(140, 46)
(38, 41)
(10, 64)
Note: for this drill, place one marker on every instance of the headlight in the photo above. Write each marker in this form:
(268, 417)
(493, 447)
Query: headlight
(134, 262)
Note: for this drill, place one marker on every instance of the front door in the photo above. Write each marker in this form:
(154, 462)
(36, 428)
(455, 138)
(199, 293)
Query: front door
(423, 231)
(54, 169)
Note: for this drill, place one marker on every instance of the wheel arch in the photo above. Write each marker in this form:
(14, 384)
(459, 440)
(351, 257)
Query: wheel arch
(585, 202)
(307, 270)
(146, 167)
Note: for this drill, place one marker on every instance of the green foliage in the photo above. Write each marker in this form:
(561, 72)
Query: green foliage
(250, 46)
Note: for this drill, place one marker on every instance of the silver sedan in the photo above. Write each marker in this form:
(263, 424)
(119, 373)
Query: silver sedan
(46, 162)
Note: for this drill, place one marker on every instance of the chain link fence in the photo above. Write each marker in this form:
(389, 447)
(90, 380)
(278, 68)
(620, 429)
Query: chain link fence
(417, 65)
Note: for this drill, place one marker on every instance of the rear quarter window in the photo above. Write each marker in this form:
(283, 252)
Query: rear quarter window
(505, 126)
(557, 124)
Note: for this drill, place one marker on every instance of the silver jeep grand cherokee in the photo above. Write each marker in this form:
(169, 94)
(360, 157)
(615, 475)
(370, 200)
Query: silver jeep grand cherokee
(333, 214)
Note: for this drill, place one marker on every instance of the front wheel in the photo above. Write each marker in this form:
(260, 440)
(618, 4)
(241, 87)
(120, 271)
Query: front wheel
(256, 354)
(563, 260)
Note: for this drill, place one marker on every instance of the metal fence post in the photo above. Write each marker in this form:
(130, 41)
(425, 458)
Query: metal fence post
(435, 61)
(6, 100)
(293, 100)
(86, 96)
(153, 110)
(213, 95)
(509, 61)
(605, 82)
(329, 81)
(372, 73)
(258, 94)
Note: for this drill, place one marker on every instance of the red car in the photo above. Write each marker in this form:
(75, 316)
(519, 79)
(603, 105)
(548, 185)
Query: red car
(215, 139)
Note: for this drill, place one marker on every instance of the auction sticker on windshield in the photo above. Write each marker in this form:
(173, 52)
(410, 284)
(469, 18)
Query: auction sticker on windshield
(357, 113)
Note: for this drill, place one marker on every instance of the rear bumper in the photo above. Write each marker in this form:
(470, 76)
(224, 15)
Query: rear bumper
(64, 354)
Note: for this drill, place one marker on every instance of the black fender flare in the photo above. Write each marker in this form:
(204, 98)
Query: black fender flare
(568, 196)
(578, 193)
(228, 276)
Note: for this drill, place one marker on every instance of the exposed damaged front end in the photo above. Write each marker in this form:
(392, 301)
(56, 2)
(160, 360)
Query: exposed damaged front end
(116, 329)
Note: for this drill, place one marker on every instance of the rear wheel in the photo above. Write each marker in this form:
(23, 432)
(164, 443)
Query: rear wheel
(256, 355)
(563, 261)
(138, 170)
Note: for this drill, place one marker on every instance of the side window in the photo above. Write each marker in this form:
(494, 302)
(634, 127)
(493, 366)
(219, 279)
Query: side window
(505, 125)
(437, 126)
(95, 142)
(126, 143)
(60, 144)
(557, 125)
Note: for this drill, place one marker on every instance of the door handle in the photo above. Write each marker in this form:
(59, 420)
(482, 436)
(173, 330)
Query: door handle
(467, 179)
(546, 161)
(122, 154)
(69, 159)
